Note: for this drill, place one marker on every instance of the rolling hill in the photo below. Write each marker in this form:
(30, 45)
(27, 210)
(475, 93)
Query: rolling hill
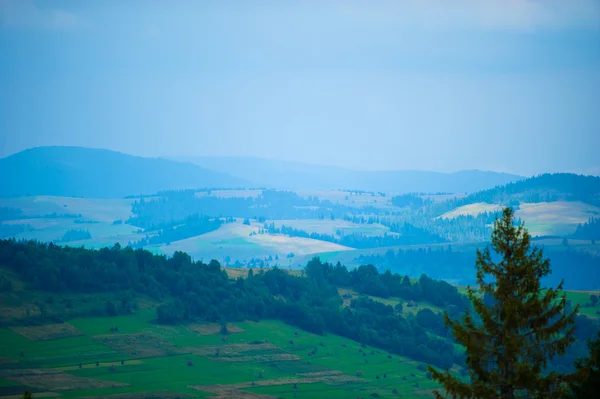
(548, 187)
(98, 173)
(300, 176)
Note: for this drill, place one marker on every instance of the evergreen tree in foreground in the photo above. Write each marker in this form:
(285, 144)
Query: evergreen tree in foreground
(523, 328)
(588, 387)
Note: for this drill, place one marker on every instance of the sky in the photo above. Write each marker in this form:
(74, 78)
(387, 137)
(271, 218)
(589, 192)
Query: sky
(504, 85)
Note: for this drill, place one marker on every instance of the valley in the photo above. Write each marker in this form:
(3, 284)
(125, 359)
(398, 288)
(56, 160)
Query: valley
(108, 328)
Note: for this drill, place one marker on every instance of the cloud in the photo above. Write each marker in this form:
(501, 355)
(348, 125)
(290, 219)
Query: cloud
(501, 15)
(25, 14)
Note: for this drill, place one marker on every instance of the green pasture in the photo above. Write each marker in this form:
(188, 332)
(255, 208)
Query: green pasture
(179, 372)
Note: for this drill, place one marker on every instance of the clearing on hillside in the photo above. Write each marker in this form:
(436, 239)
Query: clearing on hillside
(214, 328)
(107, 210)
(471, 210)
(50, 380)
(544, 218)
(140, 345)
(144, 395)
(555, 218)
(48, 332)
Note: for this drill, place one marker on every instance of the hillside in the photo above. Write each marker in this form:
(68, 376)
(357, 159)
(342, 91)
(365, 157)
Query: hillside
(299, 176)
(132, 325)
(549, 187)
(98, 173)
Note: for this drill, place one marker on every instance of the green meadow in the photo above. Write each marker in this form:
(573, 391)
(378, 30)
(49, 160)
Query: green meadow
(266, 359)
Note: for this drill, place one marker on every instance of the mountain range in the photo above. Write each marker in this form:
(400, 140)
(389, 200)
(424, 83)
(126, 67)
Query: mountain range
(300, 176)
(101, 173)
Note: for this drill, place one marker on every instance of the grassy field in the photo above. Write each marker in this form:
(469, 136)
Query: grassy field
(99, 209)
(544, 218)
(233, 240)
(555, 218)
(266, 358)
(53, 229)
(102, 212)
(471, 210)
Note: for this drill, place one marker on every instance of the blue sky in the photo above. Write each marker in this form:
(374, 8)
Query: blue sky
(506, 85)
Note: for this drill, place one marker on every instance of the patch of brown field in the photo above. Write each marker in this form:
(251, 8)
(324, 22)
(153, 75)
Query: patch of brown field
(48, 332)
(279, 357)
(329, 380)
(229, 392)
(56, 381)
(235, 272)
(213, 328)
(139, 345)
(143, 395)
(4, 360)
(424, 392)
(5, 373)
(325, 373)
(228, 350)
(100, 364)
(19, 312)
(344, 291)
(37, 395)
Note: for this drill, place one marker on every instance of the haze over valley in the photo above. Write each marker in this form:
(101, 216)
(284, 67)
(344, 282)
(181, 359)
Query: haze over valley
(303, 201)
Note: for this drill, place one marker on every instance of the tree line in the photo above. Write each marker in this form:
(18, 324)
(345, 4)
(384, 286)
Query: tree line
(409, 235)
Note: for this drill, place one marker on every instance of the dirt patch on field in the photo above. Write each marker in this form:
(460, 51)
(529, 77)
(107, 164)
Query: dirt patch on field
(326, 373)
(140, 345)
(56, 381)
(338, 379)
(35, 395)
(100, 364)
(229, 350)
(229, 392)
(278, 357)
(4, 360)
(214, 328)
(48, 332)
(144, 395)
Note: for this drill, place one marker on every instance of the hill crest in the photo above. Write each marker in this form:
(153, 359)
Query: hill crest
(100, 173)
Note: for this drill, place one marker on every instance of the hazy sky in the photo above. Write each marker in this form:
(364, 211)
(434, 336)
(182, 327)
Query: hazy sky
(507, 85)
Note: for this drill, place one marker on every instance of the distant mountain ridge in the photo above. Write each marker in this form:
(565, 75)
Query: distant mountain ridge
(299, 176)
(100, 173)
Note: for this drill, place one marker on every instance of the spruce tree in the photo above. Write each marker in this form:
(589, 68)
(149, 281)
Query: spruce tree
(509, 344)
(587, 386)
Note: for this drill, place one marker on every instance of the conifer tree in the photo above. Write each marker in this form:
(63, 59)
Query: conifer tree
(588, 385)
(522, 328)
